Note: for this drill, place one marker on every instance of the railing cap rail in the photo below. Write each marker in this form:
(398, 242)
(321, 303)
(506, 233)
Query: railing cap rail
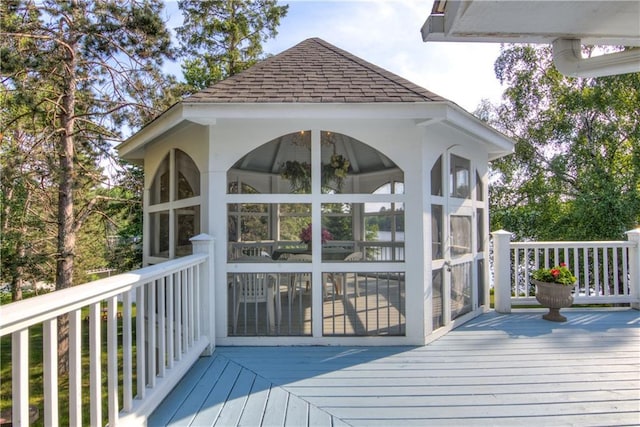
(575, 244)
(22, 314)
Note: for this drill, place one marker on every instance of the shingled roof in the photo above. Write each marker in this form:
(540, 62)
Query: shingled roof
(314, 71)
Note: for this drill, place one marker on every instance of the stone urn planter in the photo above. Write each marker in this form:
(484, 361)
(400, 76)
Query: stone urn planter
(553, 296)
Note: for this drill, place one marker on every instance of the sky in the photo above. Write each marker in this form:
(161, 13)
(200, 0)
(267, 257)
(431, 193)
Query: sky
(387, 33)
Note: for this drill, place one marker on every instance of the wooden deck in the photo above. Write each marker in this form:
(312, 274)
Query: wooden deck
(497, 370)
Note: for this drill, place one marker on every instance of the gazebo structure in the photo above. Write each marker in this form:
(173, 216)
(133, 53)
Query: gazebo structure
(348, 205)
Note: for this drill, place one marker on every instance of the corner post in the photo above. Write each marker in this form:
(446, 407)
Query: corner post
(205, 244)
(634, 268)
(502, 270)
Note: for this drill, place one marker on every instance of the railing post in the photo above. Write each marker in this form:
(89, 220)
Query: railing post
(502, 270)
(203, 243)
(634, 268)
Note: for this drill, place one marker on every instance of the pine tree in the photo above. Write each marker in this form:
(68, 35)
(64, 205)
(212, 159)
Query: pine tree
(220, 38)
(84, 70)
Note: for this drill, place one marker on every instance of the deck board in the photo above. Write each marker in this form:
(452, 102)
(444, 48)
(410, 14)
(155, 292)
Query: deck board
(498, 370)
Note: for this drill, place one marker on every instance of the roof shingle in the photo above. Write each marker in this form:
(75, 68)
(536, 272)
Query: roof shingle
(314, 71)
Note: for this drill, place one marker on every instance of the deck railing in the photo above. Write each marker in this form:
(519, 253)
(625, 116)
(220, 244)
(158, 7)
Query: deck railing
(607, 272)
(158, 321)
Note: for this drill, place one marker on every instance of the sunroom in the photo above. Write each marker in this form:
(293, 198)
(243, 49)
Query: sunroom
(347, 204)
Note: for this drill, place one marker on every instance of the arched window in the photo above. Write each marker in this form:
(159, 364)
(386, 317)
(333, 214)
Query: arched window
(174, 207)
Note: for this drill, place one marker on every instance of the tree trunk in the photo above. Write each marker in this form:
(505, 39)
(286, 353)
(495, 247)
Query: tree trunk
(66, 216)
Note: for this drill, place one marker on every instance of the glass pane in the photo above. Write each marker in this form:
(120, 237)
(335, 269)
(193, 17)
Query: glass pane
(188, 176)
(357, 304)
(344, 157)
(159, 232)
(480, 228)
(384, 231)
(294, 217)
(437, 302)
(294, 232)
(248, 222)
(340, 241)
(479, 187)
(460, 235)
(481, 283)
(159, 192)
(269, 304)
(282, 165)
(187, 226)
(436, 232)
(459, 177)
(436, 178)
(460, 289)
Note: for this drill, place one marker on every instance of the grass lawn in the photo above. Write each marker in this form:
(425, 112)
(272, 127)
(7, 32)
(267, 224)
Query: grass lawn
(36, 384)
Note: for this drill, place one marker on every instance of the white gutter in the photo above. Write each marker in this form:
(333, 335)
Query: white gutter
(567, 57)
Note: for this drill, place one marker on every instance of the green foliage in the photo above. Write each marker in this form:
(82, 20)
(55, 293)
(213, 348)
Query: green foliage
(575, 174)
(220, 38)
(559, 274)
(73, 75)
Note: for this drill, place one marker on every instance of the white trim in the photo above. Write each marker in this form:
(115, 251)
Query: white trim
(422, 113)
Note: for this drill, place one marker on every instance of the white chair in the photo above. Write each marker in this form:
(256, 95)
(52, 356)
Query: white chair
(353, 257)
(304, 278)
(254, 288)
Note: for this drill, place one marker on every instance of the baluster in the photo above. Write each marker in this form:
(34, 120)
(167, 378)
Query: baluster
(112, 360)
(585, 252)
(170, 323)
(616, 270)
(178, 315)
(596, 270)
(606, 282)
(190, 293)
(95, 364)
(516, 273)
(75, 368)
(127, 353)
(196, 287)
(162, 327)
(20, 377)
(185, 304)
(625, 272)
(50, 371)
(141, 368)
(151, 333)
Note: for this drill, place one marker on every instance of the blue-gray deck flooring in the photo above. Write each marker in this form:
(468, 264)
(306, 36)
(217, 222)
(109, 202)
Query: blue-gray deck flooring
(497, 370)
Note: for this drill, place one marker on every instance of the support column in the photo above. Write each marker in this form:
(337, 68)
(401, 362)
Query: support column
(502, 270)
(205, 244)
(634, 268)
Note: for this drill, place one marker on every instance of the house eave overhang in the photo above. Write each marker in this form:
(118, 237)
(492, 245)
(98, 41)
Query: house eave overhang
(567, 25)
(420, 113)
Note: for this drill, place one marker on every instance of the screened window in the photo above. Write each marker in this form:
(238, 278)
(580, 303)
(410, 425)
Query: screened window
(460, 177)
(172, 224)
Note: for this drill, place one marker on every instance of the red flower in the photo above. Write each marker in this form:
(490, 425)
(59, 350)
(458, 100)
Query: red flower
(562, 264)
(555, 272)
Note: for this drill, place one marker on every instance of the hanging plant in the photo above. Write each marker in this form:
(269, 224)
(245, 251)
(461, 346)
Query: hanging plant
(298, 174)
(335, 171)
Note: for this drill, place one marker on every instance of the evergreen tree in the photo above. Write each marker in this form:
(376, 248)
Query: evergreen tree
(220, 38)
(83, 71)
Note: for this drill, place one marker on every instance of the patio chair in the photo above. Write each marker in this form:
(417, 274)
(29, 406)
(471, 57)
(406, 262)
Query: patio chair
(255, 288)
(299, 277)
(352, 257)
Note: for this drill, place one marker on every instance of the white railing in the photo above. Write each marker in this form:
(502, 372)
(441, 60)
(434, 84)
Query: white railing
(164, 315)
(607, 272)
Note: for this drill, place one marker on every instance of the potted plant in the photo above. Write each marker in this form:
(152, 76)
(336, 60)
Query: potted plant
(553, 290)
(306, 235)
